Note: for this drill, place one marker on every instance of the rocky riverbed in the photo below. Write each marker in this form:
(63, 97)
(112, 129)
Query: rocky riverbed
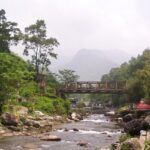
(93, 132)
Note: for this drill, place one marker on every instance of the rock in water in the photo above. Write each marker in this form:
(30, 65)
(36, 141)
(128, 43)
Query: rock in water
(135, 126)
(51, 138)
(82, 143)
(128, 117)
(75, 129)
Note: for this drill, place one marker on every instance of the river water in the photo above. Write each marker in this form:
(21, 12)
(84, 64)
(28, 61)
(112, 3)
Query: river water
(96, 130)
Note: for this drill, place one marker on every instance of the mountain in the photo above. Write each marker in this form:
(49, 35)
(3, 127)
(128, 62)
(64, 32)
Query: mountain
(91, 64)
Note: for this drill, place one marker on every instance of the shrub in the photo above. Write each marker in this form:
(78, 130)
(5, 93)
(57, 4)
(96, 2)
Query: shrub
(147, 145)
(124, 137)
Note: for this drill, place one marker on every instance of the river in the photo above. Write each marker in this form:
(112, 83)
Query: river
(95, 130)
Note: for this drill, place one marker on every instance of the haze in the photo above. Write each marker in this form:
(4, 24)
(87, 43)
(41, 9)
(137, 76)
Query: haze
(100, 24)
(108, 25)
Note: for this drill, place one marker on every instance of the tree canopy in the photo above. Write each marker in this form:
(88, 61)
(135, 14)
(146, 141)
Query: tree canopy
(137, 75)
(35, 40)
(9, 33)
(67, 76)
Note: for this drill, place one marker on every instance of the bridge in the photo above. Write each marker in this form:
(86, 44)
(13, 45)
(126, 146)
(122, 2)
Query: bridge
(93, 87)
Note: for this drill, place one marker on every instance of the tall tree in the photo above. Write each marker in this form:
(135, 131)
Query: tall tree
(39, 46)
(9, 33)
(67, 76)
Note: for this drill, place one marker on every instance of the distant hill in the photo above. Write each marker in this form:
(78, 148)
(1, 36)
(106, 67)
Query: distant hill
(90, 65)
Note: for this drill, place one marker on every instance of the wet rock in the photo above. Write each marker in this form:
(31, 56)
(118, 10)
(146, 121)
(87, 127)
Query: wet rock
(9, 119)
(13, 128)
(66, 130)
(75, 129)
(32, 123)
(147, 119)
(59, 119)
(30, 146)
(135, 126)
(128, 117)
(143, 133)
(39, 114)
(69, 120)
(82, 143)
(131, 144)
(45, 128)
(50, 138)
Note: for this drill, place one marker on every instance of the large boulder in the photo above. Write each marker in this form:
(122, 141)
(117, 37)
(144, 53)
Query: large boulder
(9, 119)
(147, 119)
(43, 125)
(131, 144)
(135, 126)
(128, 117)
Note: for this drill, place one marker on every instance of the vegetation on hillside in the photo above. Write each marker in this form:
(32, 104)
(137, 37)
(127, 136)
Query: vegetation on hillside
(136, 73)
(28, 83)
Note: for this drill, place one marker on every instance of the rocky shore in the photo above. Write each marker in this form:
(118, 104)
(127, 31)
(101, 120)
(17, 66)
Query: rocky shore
(37, 125)
(136, 125)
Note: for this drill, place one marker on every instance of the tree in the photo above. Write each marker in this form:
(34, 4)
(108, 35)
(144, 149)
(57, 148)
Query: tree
(35, 40)
(67, 76)
(9, 33)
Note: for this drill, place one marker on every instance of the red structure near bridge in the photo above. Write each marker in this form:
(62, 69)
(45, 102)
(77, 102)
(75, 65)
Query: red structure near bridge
(142, 105)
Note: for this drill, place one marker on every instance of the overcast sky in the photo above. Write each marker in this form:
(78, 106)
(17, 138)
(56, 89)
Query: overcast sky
(101, 24)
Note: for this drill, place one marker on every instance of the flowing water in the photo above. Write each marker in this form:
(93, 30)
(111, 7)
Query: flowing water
(96, 130)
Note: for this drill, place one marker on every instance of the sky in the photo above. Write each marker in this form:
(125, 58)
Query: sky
(92, 24)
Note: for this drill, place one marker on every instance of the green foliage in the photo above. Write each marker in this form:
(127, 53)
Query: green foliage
(124, 137)
(28, 90)
(80, 104)
(147, 145)
(136, 73)
(67, 76)
(13, 74)
(51, 106)
(9, 33)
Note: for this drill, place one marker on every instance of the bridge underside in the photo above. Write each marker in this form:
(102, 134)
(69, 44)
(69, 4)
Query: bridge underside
(104, 91)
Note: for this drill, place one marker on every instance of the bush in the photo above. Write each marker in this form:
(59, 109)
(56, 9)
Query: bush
(124, 137)
(28, 90)
(52, 106)
(147, 145)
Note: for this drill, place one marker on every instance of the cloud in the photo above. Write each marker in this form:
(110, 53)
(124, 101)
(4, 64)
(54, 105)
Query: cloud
(101, 24)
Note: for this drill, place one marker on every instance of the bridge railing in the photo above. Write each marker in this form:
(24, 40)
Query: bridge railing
(82, 85)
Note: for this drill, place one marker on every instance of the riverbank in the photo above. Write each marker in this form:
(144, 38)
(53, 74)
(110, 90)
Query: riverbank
(92, 133)
(136, 125)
